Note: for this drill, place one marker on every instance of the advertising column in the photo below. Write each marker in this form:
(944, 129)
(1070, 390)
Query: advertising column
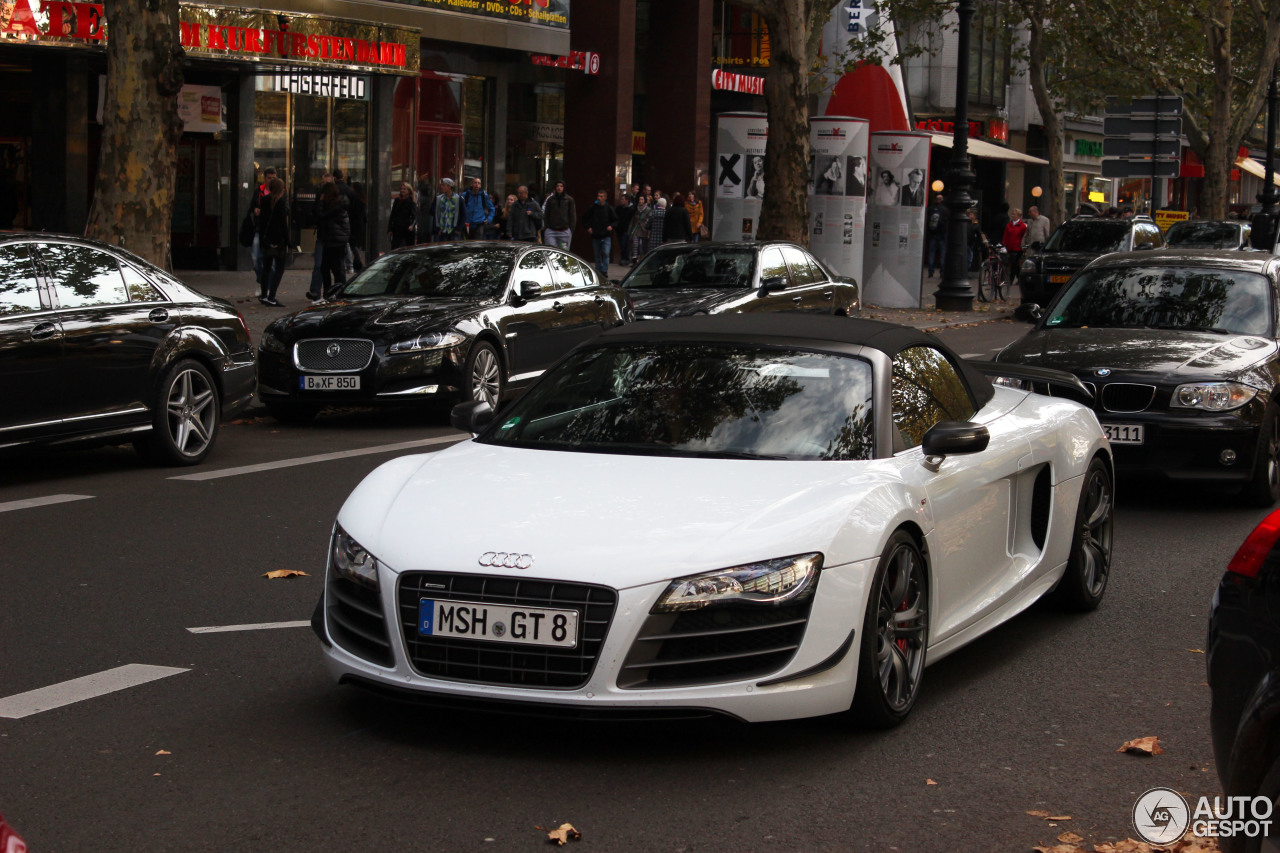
(739, 174)
(838, 192)
(897, 194)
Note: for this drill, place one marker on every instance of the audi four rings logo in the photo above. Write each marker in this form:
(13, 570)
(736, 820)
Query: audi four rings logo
(332, 350)
(503, 560)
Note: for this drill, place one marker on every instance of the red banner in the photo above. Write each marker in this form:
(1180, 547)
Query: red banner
(731, 82)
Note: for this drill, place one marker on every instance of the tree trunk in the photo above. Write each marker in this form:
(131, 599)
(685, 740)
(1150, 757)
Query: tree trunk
(133, 199)
(1057, 212)
(1219, 155)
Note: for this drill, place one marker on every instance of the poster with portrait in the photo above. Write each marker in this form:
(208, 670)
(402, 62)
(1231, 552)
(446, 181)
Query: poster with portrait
(894, 239)
(837, 199)
(739, 175)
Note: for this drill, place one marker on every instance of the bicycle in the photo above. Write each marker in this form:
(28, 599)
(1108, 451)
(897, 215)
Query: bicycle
(991, 281)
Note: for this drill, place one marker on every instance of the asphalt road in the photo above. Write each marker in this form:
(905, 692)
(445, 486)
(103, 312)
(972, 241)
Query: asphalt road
(248, 745)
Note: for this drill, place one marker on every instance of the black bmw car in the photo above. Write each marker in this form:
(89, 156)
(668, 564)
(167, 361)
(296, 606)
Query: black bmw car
(97, 345)
(478, 320)
(1180, 350)
(681, 279)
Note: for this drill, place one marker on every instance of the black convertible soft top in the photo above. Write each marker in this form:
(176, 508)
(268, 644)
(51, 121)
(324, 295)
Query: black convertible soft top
(798, 329)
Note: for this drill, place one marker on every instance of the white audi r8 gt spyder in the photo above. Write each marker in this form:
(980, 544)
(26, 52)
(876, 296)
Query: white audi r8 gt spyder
(761, 516)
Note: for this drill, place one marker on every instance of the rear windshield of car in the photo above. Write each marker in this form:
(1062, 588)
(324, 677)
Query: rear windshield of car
(1166, 298)
(1098, 235)
(717, 268)
(697, 400)
(454, 272)
(1204, 235)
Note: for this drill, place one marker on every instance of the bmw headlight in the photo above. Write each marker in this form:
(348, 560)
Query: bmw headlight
(1212, 396)
(771, 582)
(350, 560)
(431, 340)
(271, 343)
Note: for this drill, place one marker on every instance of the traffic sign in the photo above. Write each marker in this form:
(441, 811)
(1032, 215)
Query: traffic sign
(1149, 105)
(1129, 126)
(1123, 146)
(1118, 168)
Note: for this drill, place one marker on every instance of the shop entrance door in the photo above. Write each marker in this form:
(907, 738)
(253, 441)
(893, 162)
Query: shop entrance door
(198, 202)
(440, 152)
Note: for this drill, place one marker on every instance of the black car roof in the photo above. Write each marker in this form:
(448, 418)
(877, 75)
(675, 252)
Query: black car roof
(1263, 263)
(769, 328)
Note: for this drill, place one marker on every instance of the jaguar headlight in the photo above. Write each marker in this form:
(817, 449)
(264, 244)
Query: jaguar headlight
(350, 560)
(1212, 396)
(271, 343)
(431, 340)
(771, 582)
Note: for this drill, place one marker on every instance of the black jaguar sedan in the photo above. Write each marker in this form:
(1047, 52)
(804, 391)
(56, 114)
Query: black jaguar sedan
(681, 279)
(97, 345)
(477, 321)
(1180, 351)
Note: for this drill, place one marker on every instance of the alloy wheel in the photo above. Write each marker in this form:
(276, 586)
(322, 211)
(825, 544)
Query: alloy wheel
(1095, 532)
(190, 412)
(486, 377)
(902, 621)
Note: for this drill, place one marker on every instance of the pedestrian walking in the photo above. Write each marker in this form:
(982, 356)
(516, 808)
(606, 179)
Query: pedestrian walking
(494, 230)
(358, 211)
(333, 232)
(1014, 233)
(259, 196)
(657, 223)
(559, 215)
(273, 237)
(317, 254)
(625, 209)
(448, 213)
(638, 232)
(402, 225)
(1038, 228)
(676, 227)
(348, 199)
(477, 211)
(697, 216)
(979, 246)
(935, 224)
(504, 213)
(600, 220)
(524, 217)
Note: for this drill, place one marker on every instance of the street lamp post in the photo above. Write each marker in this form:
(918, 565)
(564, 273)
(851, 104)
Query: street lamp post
(955, 293)
(1264, 223)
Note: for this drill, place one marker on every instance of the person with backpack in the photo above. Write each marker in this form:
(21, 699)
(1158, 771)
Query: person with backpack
(935, 226)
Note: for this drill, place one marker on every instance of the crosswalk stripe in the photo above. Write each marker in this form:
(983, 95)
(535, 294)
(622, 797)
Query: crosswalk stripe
(80, 689)
(320, 457)
(257, 626)
(30, 503)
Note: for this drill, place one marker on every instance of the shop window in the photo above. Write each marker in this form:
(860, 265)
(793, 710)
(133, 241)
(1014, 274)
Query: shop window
(403, 123)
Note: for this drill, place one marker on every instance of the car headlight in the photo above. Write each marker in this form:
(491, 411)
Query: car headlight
(1010, 382)
(770, 582)
(1212, 396)
(350, 560)
(1029, 265)
(648, 316)
(271, 343)
(431, 340)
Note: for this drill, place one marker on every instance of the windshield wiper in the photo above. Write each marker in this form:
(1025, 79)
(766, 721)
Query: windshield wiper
(734, 454)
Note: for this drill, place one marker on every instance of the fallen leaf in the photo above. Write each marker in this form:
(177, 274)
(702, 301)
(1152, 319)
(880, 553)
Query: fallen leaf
(1059, 817)
(1058, 848)
(1038, 813)
(930, 782)
(1142, 746)
(285, 573)
(1196, 651)
(563, 834)
(1070, 838)
(164, 752)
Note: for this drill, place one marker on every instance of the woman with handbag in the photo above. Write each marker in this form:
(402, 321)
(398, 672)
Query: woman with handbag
(273, 237)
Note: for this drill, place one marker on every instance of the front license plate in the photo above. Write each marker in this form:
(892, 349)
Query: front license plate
(329, 383)
(1123, 433)
(499, 623)
(1059, 279)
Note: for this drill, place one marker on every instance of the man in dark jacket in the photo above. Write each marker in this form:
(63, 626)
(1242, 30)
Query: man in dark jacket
(525, 217)
(600, 220)
(559, 216)
(936, 218)
(348, 197)
(625, 210)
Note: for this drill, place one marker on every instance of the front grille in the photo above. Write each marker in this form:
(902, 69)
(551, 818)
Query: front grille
(348, 354)
(1123, 397)
(354, 617)
(715, 645)
(487, 662)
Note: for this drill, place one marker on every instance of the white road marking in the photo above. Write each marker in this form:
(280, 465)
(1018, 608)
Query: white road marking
(321, 457)
(80, 689)
(45, 501)
(259, 626)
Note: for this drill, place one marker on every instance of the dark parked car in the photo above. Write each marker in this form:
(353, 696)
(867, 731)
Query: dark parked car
(1209, 234)
(1075, 243)
(476, 320)
(1180, 349)
(1243, 657)
(729, 278)
(96, 344)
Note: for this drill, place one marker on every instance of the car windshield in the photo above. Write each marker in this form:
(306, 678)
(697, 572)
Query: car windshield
(1194, 299)
(715, 267)
(699, 400)
(455, 272)
(1098, 235)
(1204, 235)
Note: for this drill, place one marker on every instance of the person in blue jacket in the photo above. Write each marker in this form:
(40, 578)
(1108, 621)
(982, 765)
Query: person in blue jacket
(477, 211)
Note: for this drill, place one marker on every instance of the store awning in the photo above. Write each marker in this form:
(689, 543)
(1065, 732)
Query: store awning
(978, 148)
(1253, 167)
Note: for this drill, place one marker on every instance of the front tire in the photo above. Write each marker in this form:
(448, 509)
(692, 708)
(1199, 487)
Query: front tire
(484, 375)
(895, 635)
(185, 416)
(1084, 581)
(1264, 487)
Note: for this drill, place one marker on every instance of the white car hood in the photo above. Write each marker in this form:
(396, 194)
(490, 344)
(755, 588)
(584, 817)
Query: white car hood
(600, 518)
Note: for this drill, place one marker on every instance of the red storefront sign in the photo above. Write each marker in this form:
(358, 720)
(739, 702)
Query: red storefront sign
(731, 82)
(577, 60)
(934, 125)
(998, 129)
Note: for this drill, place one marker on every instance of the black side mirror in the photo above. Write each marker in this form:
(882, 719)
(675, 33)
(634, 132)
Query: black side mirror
(1030, 312)
(773, 282)
(472, 416)
(525, 291)
(946, 438)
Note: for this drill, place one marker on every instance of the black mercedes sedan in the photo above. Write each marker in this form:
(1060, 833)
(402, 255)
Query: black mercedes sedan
(1180, 351)
(97, 345)
(1243, 659)
(476, 321)
(682, 279)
